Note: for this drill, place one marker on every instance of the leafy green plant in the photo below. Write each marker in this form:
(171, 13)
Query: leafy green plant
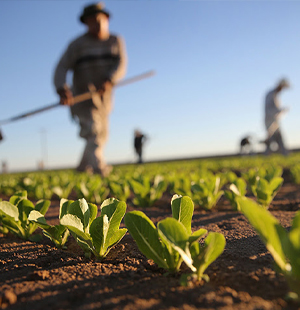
(145, 193)
(120, 189)
(92, 189)
(95, 235)
(58, 234)
(265, 183)
(181, 184)
(272, 171)
(146, 235)
(173, 242)
(14, 215)
(236, 189)
(207, 192)
(283, 245)
(265, 191)
(295, 172)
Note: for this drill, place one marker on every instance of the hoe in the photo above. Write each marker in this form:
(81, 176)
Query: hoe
(77, 99)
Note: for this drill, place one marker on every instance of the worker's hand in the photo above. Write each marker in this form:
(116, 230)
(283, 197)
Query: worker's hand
(66, 96)
(106, 86)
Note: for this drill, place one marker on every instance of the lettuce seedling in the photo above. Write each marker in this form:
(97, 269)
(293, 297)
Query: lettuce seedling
(207, 192)
(283, 245)
(173, 242)
(119, 189)
(14, 215)
(147, 237)
(92, 189)
(237, 188)
(271, 172)
(265, 191)
(182, 185)
(58, 234)
(145, 193)
(295, 172)
(95, 235)
(264, 183)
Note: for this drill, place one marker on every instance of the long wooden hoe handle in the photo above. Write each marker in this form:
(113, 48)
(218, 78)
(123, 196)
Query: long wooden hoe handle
(78, 98)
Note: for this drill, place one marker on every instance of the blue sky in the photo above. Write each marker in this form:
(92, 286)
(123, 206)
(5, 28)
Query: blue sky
(214, 63)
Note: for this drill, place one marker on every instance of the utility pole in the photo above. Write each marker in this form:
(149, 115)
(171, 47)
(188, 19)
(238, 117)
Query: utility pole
(44, 151)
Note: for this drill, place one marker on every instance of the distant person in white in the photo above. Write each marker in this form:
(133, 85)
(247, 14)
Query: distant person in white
(273, 113)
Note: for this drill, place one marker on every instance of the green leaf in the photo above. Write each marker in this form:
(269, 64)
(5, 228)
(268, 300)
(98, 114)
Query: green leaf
(175, 235)
(182, 210)
(25, 207)
(116, 238)
(213, 247)
(17, 197)
(93, 211)
(81, 209)
(197, 235)
(42, 206)
(145, 235)
(115, 211)
(291, 247)
(296, 221)
(74, 224)
(98, 232)
(268, 228)
(63, 206)
(8, 209)
(241, 186)
(38, 218)
(275, 184)
(13, 226)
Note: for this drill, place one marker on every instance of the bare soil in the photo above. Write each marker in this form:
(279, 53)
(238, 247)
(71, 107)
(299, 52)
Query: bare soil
(39, 276)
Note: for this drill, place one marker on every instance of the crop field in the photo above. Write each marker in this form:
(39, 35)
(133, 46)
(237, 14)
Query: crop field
(197, 234)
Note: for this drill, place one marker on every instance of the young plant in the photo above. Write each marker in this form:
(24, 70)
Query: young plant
(92, 189)
(295, 172)
(265, 191)
(207, 192)
(283, 245)
(120, 189)
(14, 215)
(95, 235)
(271, 172)
(181, 185)
(145, 193)
(236, 189)
(58, 234)
(173, 242)
(265, 183)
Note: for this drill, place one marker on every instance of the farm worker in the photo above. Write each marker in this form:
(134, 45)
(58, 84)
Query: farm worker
(139, 140)
(273, 112)
(98, 61)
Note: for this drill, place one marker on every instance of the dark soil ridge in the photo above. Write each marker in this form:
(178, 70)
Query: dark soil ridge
(39, 276)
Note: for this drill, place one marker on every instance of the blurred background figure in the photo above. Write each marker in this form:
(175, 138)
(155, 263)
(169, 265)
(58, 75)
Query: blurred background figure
(98, 61)
(4, 167)
(245, 145)
(273, 112)
(139, 140)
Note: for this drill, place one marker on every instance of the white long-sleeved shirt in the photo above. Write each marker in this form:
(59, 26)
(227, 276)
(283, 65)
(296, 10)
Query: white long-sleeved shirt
(92, 61)
(272, 109)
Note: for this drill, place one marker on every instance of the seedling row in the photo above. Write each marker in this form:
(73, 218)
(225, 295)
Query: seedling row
(172, 242)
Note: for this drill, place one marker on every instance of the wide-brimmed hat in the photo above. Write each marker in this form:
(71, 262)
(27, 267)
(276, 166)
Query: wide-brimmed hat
(93, 9)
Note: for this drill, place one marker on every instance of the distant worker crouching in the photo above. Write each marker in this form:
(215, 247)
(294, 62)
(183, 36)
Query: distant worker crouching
(273, 112)
(245, 145)
(98, 60)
